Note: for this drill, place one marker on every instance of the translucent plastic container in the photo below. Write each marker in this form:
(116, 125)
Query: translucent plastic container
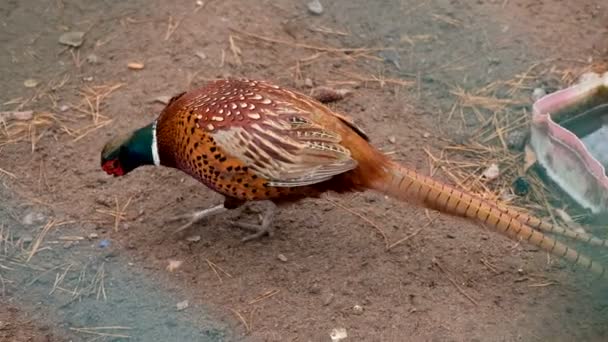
(569, 135)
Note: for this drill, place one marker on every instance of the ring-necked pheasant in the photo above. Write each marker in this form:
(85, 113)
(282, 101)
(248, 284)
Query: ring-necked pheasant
(251, 140)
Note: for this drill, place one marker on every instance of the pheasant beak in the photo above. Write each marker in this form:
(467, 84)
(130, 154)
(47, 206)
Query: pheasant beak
(112, 167)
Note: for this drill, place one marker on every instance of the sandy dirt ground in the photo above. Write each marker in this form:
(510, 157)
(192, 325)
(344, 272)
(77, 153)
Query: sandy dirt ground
(106, 267)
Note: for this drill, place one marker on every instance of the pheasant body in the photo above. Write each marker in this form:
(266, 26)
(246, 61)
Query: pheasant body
(251, 140)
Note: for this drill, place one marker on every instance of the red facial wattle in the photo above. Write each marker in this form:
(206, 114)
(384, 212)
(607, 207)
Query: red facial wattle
(112, 167)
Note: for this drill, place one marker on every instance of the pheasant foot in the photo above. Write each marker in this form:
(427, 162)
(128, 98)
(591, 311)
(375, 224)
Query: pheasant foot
(264, 228)
(198, 216)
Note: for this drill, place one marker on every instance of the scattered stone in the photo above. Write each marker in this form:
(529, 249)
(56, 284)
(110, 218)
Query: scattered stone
(104, 201)
(74, 38)
(314, 289)
(93, 236)
(538, 93)
(193, 238)
(104, 243)
(87, 78)
(26, 239)
(521, 187)
(426, 135)
(357, 309)
(308, 83)
(326, 94)
(30, 83)
(164, 99)
(282, 257)
(64, 108)
(201, 55)
(492, 172)
(33, 217)
(315, 7)
(516, 140)
(392, 139)
(135, 66)
(93, 59)
(338, 334)
(328, 298)
(16, 115)
(182, 305)
(174, 265)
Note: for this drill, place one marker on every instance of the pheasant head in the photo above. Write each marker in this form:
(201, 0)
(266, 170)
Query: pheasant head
(127, 152)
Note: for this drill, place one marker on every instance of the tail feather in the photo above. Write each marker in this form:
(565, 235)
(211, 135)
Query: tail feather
(408, 185)
(537, 223)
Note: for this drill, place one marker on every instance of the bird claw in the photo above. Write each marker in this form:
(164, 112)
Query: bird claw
(258, 229)
(264, 228)
(197, 216)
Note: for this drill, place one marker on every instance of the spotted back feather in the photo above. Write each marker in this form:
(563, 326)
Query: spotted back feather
(271, 130)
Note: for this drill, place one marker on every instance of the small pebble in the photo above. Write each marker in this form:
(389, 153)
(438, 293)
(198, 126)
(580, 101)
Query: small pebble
(193, 238)
(93, 236)
(282, 257)
(521, 186)
(392, 139)
(104, 243)
(357, 309)
(30, 83)
(538, 93)
(87, 78)
(492, 172)
(308, 83)
(93, 59)
(164, 99)
(516, 140)
(135, 66)
(315, 289)
(338, 334)
(174, 265)
(64, 108)
(17, 115)
(32, 218)
(426, 135)
(315, 7)
(327, 95)
(328, 298)
(27, 238)
(73, 39)
(182, 305)
(201, 55)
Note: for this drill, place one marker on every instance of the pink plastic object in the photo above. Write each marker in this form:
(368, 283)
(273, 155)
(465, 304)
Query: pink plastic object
(568, 161)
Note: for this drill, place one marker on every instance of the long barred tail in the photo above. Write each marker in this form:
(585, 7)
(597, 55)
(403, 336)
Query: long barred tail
(537, 223)
(408, 185)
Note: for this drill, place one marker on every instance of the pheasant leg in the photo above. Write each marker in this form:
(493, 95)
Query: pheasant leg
(264, 228)
(198, 216)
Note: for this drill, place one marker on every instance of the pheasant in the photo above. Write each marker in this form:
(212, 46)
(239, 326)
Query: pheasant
(254, 141)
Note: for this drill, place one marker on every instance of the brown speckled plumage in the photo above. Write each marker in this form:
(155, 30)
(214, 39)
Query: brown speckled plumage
(251, 140)
(242, 115)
